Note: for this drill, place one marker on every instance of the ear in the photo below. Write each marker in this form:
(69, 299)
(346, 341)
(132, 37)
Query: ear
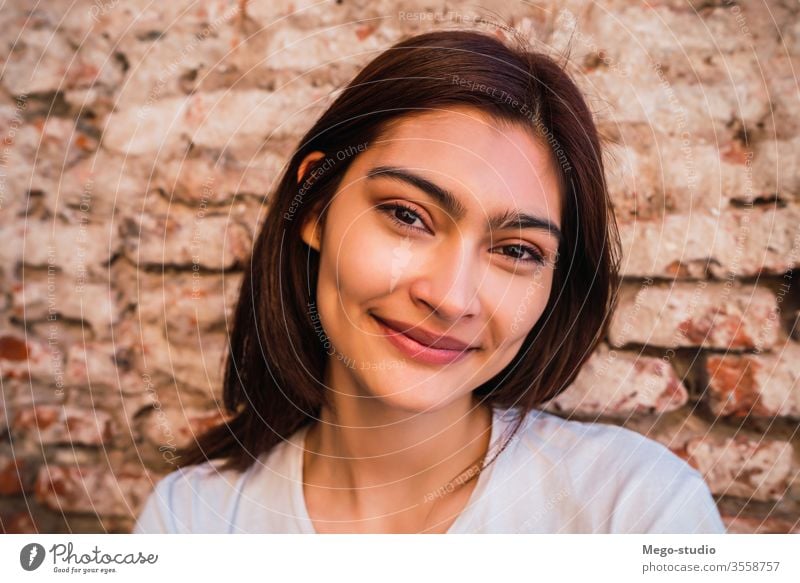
(307, 161)
(310, 231)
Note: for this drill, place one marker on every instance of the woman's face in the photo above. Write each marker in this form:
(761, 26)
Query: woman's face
(407, 242)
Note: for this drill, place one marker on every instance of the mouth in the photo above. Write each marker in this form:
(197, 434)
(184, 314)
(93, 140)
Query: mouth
(423, 346)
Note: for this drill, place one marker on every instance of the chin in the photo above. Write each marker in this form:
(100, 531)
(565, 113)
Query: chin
(400, 393)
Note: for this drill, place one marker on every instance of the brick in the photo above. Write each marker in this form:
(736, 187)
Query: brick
(43, 296)
(632, 185)
(147, 128)
(743, 467)
(708, 315)
(214, 119)
(703, 111)
(92, 364)
(671, 27)
(75, 488)
(195, 43)
(760, 525)
(755, 384)
(169, 428)
(776, 168)
(675, 246)
(679, 40)
(16, 475)
(184, 238)
(198, 366)
(79, 250)
(48, 61)
(188, 306)
(220, 179)
(764, 241)
(30, 358)
(100, 186)
(227, 116)
(740, 243)
(18, 523)
(37, 65)
(783, 122)
(59, 144)
(652, 174)
(621, 384)
(53, 424)
(353, 43)
(5, 414)
(136, 18)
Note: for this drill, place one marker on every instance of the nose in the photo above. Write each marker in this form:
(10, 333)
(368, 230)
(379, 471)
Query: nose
(450, 282)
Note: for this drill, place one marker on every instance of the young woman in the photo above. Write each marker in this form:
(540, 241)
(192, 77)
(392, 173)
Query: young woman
(439, 258)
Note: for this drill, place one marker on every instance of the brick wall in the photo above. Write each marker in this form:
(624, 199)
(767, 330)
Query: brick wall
(140, 139)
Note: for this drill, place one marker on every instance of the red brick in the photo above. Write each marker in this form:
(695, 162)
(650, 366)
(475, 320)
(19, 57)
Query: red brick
(743, 467)
(191, 239)
(16, 476)
(26, 357)
(708, 315)
(68, 297)
(52, 424)
(618, 384)
(170, 428)
(220, 179)
(755, 384)
(185, 308)
(758, 525)
(94, 490)
(198, 365)
(18, 523)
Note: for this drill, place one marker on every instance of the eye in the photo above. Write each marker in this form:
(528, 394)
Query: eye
(518, 251)
(403, 216)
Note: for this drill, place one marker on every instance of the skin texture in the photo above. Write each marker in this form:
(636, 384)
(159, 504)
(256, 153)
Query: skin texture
(400, 428)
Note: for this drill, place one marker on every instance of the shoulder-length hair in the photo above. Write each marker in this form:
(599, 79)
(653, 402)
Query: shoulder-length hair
(275, 365)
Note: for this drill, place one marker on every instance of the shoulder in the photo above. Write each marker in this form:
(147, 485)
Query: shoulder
(196, 498)
(630, 482)
(594, 444)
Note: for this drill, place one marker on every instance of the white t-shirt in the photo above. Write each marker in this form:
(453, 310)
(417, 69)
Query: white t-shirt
(556, 476)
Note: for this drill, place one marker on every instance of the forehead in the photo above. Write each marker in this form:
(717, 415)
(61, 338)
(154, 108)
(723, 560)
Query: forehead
(489, 166)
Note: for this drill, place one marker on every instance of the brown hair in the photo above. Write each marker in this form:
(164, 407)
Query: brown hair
(269, 394)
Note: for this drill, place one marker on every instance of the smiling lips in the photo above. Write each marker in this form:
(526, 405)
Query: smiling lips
(422, 345)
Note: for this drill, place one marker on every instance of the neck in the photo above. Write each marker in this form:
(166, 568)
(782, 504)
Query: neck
(363, 443)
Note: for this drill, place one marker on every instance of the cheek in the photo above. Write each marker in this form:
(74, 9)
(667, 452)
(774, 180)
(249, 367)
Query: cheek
(521, 312)
(358, 259)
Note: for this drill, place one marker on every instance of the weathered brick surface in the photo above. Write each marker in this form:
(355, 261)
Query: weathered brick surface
(764, 384)
(618, 384)
(753, 525)
(75, 488)
(97, 364)
(139, 144)
(170, 428)
(203, 303)
(706, 315)
(181, 237)
(739, 243)
(219, 179)
(195, 366)
(743, 467)
(44, 297)
(29, 358)
(16, 475)
(49, 424)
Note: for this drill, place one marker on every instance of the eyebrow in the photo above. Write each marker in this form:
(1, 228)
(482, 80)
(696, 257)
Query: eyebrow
(509, 219)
